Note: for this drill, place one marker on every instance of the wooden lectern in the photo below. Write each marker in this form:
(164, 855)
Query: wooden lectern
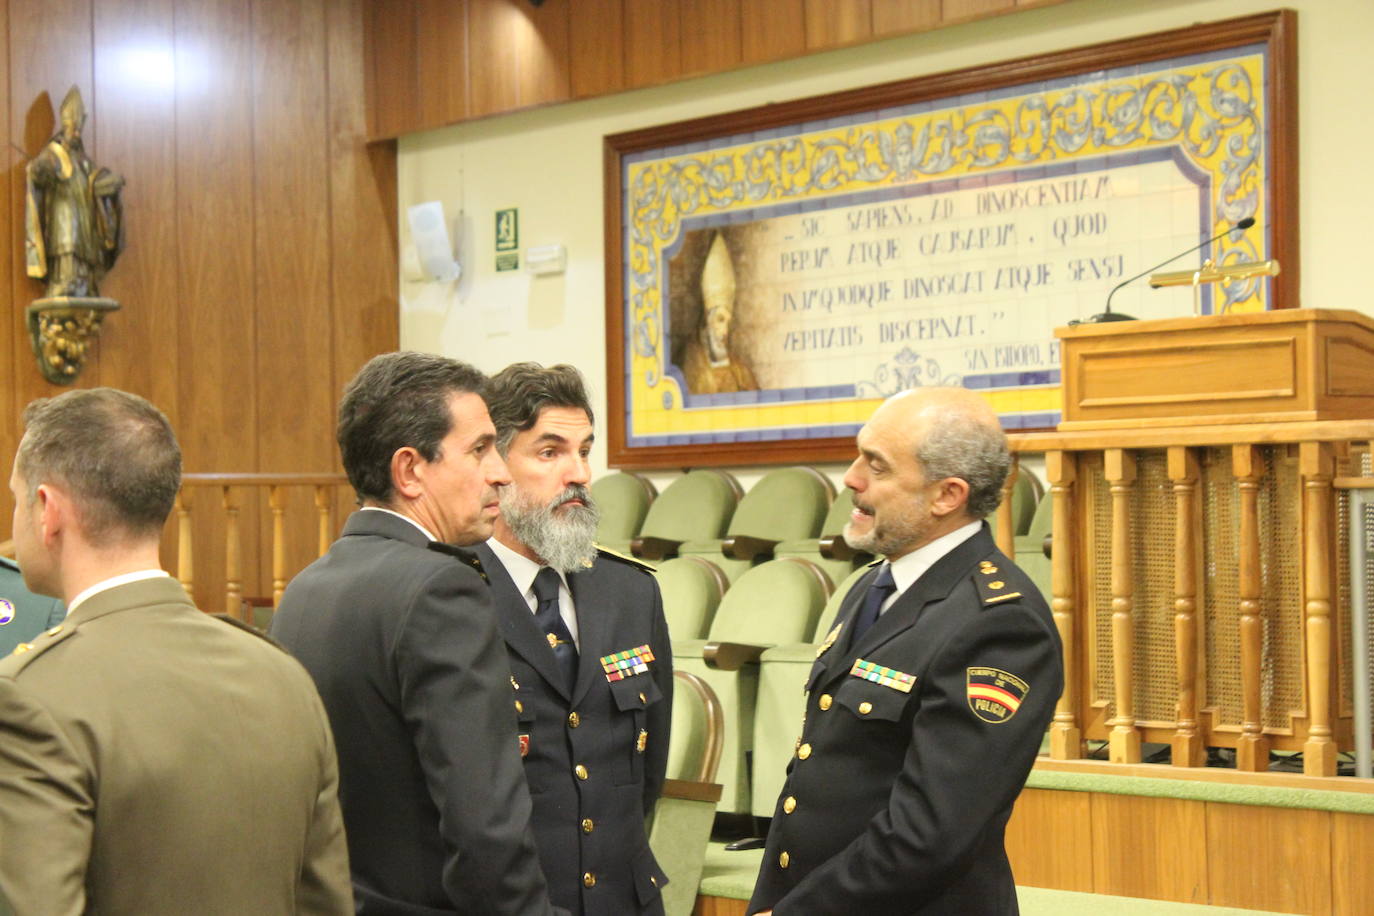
(1196, 578)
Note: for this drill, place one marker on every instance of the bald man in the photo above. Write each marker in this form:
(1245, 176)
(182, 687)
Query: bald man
(928, 700)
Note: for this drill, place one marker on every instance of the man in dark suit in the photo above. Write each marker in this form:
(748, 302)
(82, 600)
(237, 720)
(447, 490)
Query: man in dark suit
(928, 700)
(588, 649)
(153, 760)
(397, 629)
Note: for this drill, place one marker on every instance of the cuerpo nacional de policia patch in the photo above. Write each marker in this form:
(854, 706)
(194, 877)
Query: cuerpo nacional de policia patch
(994, 695)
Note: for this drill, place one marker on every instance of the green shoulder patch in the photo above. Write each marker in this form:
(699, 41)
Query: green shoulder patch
(248, 628)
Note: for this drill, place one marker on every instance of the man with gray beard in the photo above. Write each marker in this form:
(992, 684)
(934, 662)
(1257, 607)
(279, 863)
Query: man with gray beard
(588, 647)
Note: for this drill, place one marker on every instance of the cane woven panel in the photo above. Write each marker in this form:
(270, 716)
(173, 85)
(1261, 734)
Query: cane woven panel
(1281, 612)
(1152, 508)
(1153, 671)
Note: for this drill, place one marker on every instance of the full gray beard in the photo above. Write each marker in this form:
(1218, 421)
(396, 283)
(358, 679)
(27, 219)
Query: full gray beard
(565, 540)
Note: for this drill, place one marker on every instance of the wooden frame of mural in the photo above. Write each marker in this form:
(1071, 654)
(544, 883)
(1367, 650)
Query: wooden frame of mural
(772, 274)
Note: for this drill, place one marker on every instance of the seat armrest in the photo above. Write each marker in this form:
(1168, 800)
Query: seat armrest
(730, 656)
(691, 791)
(652, 548)
(743, 547)
(835, 547)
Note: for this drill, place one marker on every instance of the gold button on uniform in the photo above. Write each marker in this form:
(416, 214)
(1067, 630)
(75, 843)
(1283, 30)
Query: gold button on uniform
(588, 879)
(865, 708)
(587, 825)
(789, 804)
(55, 630)
(574, 720)
(642, 698)
(653, 879)
(581, 771)
(997, 584)
(519, 707)
(804, 751)
(783, 859)
(826, 700)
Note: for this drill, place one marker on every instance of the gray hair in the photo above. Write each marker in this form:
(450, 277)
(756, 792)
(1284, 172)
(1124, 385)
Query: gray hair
(518, 393)
(957, 445)
(398, 400)
(113, 451)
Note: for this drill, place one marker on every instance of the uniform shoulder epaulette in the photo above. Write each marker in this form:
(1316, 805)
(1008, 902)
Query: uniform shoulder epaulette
(627, 560)
(466, 557)
(248, 628)
(26, 652)
(991, 584)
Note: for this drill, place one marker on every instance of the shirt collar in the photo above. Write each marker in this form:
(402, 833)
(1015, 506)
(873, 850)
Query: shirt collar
(521, 569)
(115, 582)
(423, 530)
(906, 570)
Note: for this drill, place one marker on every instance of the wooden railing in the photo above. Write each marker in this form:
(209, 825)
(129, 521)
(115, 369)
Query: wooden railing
(229, 491)
(1198, 589)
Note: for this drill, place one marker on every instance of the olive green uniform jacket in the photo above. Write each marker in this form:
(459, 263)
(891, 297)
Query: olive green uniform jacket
(154, 760)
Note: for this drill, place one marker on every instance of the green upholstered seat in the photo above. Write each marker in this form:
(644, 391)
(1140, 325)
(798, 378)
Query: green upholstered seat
(784, 505)
(680, 825)
(692, 588)
(624, 500)
(774, 603)
(1030, 552)
(1025, 495)
(837, 567)
(781, 702)
(697, 506)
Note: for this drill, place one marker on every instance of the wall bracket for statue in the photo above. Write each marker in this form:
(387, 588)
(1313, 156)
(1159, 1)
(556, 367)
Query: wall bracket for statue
(73, 233)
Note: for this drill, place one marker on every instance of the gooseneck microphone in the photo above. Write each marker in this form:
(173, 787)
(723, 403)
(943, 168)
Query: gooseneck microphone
(1108, 315)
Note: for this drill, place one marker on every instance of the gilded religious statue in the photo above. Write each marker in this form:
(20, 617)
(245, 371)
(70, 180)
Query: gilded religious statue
(708, 364)
(73, 232)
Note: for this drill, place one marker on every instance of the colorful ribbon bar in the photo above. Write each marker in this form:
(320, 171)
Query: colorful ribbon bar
(620, 665)
(876, 673)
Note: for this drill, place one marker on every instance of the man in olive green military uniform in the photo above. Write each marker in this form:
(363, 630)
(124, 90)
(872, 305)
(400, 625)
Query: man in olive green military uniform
(23, 615)
(153, 759)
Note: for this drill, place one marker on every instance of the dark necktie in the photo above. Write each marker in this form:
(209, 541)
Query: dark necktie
(878, 592)
(551, 622)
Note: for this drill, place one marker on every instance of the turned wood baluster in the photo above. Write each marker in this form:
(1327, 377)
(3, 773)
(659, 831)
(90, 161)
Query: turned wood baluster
(1315, 464)
(1187, 746)
(233, 551)
(1252, 747)
(1006, 527)
(1061, 469)
(276, 500)
(1123, 742)
(185, 569)
(324, 509)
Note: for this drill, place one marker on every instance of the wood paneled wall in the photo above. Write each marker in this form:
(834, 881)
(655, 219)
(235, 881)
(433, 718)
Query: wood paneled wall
(437, 62)
(260, 269)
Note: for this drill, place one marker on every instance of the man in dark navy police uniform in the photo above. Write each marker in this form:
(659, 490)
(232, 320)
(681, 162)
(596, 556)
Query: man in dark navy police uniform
(23, 615)
(588, 649)
(928, 700)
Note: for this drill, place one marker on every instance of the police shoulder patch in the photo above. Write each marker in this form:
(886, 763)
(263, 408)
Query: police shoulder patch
(994, 695)
(623, 558)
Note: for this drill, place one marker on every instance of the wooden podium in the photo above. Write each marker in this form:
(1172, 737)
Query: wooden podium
(1196, 559)
(1265, 367)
